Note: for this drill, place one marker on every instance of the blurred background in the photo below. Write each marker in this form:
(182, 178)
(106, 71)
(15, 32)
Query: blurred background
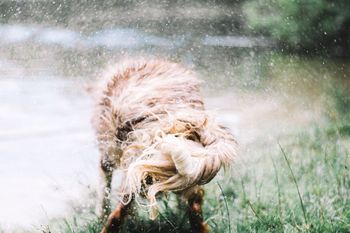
(274, 71)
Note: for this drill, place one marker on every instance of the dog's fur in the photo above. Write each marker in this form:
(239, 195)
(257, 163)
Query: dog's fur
(151, 125)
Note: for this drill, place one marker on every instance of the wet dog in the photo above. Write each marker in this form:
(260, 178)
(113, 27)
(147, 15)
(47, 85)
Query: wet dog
(151, 125)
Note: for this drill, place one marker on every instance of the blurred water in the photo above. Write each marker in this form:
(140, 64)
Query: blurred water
(109, 38)
(236, 41)
(112, 38)
(47, 150)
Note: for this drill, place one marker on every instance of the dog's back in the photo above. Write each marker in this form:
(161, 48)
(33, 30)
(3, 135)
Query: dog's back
(143, 91)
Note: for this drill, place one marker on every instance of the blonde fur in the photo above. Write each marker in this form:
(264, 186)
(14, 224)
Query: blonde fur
(151, 122)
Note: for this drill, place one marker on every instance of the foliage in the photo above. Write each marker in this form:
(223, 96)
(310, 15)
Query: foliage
(342, 101)
(300, 24)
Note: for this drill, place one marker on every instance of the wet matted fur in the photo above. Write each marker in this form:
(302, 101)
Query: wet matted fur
(151, 124)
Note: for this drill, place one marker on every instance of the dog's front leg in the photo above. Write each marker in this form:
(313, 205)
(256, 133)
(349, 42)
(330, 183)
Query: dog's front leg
(116, 218)
(195, 201)
(106, 176)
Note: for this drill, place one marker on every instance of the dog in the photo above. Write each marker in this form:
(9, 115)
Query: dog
(152, 126)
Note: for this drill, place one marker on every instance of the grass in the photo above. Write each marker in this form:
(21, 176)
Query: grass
(301, 185)
(305, 188)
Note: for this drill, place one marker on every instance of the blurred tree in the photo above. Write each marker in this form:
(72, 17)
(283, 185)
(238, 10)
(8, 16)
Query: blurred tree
(302, 24)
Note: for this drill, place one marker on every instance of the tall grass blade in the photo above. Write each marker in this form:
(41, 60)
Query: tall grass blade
(295, 182)
(68, 226)
(278, 189)
(228, 212)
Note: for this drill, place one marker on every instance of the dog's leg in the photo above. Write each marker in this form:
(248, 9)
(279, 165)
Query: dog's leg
(106, 175)
(116, 218)
(195, 200)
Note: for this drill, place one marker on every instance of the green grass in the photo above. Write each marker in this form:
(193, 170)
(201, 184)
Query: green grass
(303, 185)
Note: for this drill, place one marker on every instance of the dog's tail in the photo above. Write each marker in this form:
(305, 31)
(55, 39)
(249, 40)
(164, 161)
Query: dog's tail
(199, 162)
(179, 164)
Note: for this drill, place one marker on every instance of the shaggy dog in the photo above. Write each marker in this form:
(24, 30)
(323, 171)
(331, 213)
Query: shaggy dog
(151, 125)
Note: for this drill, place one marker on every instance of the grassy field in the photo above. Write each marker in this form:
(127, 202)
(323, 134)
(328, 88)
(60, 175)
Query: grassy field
(298, 183)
